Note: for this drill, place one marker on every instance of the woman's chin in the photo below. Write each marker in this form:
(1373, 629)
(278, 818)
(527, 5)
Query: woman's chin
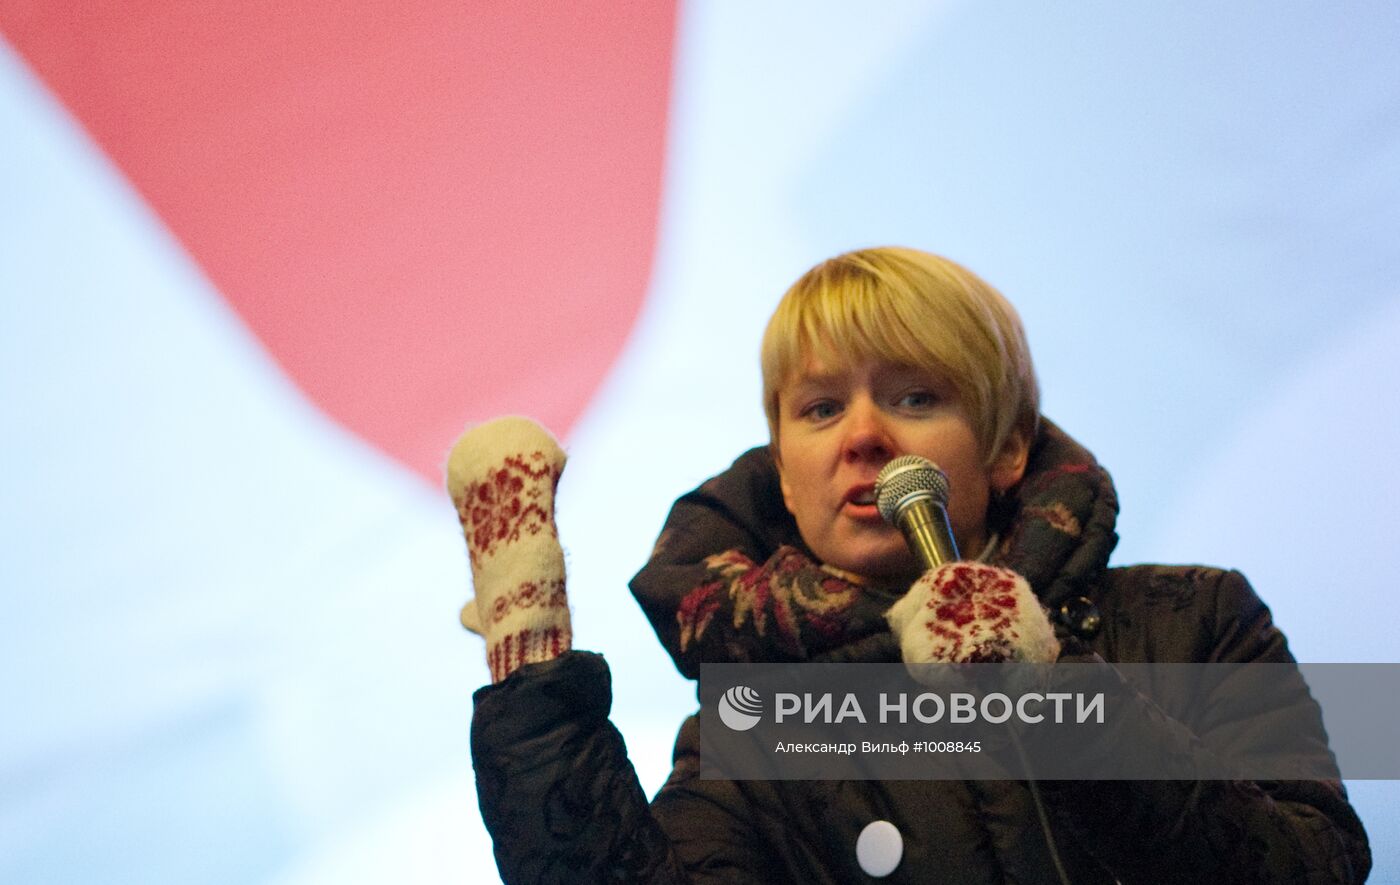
(886, 567)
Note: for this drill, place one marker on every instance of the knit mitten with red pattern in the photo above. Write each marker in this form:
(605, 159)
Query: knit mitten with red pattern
(501, 476)
(971, 612)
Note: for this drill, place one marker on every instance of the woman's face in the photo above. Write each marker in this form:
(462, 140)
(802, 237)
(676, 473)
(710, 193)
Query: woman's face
(838, 424)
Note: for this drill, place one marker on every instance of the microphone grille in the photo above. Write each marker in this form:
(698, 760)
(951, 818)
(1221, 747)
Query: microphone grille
(907, 479)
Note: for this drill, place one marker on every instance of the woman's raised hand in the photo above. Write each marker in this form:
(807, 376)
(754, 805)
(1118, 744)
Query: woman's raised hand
(501, 476)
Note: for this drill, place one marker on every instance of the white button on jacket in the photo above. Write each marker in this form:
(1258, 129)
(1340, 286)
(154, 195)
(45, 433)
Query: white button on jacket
(879, 848)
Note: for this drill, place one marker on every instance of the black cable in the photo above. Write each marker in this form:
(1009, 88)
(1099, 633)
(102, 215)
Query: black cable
(1039, 809)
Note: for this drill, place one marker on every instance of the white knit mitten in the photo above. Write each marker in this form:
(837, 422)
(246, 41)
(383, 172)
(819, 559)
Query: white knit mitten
(970, 612)
(501, 475)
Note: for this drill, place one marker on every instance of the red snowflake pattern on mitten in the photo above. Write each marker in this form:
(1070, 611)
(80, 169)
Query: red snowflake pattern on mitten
(970, 612)
(512, 501)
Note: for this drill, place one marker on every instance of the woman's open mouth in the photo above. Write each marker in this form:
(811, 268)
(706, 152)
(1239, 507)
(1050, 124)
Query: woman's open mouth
(859, 502)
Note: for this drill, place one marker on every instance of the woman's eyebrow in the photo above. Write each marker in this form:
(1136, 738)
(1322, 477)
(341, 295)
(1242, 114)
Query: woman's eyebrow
(804, 380)
(903, 373)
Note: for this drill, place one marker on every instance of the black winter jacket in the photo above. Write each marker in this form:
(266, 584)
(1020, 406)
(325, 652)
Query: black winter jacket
(731, 581)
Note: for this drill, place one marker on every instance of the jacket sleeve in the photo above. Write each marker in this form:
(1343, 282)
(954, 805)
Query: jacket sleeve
(562, 801)
(1217, 830)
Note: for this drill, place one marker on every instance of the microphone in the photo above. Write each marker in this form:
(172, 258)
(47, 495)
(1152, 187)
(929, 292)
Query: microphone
(912, 494)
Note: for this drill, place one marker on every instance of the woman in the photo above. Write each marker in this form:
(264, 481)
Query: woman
(871, 355)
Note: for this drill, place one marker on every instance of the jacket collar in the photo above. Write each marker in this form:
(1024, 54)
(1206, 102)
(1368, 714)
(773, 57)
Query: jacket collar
(1058, 522)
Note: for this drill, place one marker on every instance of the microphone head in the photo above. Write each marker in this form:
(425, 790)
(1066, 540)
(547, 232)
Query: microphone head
(907, 479)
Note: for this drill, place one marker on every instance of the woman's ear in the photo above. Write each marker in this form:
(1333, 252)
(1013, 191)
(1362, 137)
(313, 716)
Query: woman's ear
(1010, 464)
(782, 479)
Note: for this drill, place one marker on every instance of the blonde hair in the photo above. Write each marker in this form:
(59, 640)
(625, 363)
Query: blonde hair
(914, 309)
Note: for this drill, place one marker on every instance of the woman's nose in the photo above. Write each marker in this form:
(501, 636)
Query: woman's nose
(867, 436)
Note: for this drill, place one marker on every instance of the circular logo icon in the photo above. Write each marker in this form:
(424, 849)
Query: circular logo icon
(740, 708)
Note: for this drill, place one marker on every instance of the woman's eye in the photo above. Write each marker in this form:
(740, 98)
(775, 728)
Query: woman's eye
(917, 399)
(821, 410)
